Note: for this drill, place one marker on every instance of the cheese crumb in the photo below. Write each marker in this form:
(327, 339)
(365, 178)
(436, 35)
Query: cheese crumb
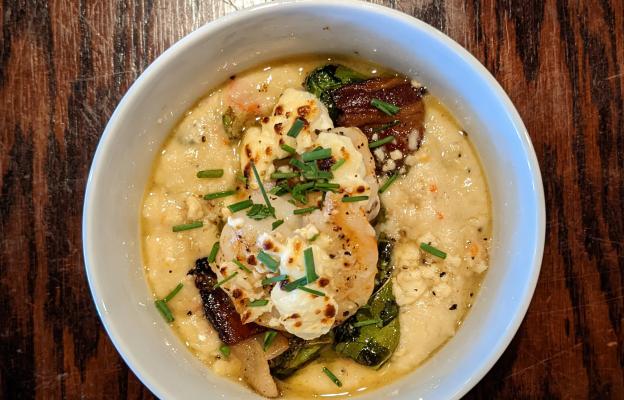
(389, 166)
(396, 154)
(412, 140)
(379, 153)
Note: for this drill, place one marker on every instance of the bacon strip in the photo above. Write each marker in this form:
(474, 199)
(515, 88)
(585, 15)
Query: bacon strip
(354, 104)
(218, 307)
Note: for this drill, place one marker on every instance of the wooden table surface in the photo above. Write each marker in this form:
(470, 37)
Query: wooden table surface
(65, 64)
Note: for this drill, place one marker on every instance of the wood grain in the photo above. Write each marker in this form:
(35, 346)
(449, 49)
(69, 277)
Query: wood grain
(64, 66)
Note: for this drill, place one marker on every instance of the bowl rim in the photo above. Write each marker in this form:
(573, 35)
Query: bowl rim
(144, 80)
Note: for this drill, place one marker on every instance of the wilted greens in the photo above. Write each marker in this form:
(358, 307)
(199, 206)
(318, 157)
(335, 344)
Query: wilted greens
(323, 80)
(384, 268)
(299, 353)
(372, 334)
(371, 344)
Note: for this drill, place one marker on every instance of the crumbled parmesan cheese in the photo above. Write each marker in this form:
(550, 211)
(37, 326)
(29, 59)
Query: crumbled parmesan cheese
(480, 267)
(412, 140)
(389, 166)
(308, 232)
(396, 154)
(379, 153)
(452, 261)
(194, 208)
(408, 287)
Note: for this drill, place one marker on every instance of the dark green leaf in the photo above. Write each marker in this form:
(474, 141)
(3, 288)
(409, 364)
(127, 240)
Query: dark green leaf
(384, 268)
(371, 343)
(299, 354)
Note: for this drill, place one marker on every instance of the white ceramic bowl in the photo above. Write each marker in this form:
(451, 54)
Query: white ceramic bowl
(204, 59)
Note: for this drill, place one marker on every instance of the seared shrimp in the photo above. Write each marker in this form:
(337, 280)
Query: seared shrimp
(356, 175)
(264, 268)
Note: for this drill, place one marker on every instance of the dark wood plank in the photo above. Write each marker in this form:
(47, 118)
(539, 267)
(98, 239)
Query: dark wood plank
(64, 65)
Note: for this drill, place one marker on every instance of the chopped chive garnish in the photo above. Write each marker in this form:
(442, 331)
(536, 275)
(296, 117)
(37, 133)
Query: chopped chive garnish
(298, 163)
(225, 350)
(386, 108)
(331, 376)
(225, 280)
(308, 210)
(277, 223)
(186, 227)
(295, 284)
(218, 195)
(360, 324)
(213, 252)
(308, 259)
(284, 175)
(258, 303)
(241, 178)
(241, 266)
(172, 294)
(388, 182)
(278, 190)
(318, 154)
(432, 250)
(261, 186)
(296, 127)
(353, 199)
(164, 310)
(319, 175)
(312, 291)
(241, 205)
(268, 261)
(268, 339)
(338, 164)
(210, 173)
(279, 278)
(313, 238)
(323, 185)
(380, 142)
(300, 187)
(288, 149)
(383, 127)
